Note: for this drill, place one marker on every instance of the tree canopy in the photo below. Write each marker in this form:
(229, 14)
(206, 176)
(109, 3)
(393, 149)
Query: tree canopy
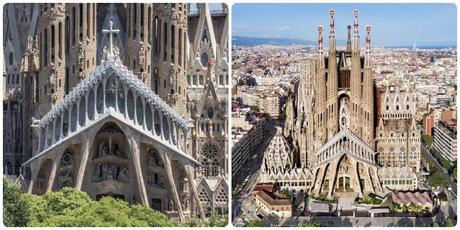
(71, 208)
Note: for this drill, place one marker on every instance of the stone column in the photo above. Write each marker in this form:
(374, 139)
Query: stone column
(172, 185)
(370, 180)
(134, 145)
(333, 178)
(83, 161)
(56, 161)
(355, 171)
(34, 166)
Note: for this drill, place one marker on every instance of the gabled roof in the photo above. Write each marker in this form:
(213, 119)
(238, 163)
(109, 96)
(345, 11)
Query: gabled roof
(95, 77)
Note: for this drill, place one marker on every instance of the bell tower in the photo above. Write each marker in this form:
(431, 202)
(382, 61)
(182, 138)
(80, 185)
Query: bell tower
(169, 54)
(139, 40)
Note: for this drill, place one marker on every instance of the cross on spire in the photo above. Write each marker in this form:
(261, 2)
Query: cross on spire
(111, 31)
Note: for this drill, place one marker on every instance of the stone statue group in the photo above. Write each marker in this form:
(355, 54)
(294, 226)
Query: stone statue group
(108, 171)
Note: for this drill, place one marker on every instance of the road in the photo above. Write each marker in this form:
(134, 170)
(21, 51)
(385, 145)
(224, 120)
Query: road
(426, 152)
(250, 171)
(334, 221)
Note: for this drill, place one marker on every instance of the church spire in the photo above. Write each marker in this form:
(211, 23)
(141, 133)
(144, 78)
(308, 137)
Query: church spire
(332, 32)
(355, 31)
(368, 45)
(349, 38)
(320, 43)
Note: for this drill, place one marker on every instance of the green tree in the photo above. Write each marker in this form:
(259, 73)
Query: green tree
(308, 224)
(427, 139)
(69, 207)
(450, 223)
(437, 179)
(254, 223)
(14, 207)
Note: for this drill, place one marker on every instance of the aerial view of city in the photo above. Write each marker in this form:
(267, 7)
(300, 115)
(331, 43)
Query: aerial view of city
(344, 115)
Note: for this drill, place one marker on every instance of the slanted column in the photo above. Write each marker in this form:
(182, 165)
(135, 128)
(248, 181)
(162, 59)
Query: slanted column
(332, 178)
(134, 146)
(56, 161)
(83, 161)
(189, 171)
(355, 170)
(34, 167)
(370, 180)
(172, 185)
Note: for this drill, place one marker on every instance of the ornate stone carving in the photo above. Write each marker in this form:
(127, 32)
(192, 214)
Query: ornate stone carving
(107, 171)
(141, 56)
(154, 159)
(65, 179)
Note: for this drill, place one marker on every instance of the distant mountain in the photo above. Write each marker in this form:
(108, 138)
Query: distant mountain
(252, 41)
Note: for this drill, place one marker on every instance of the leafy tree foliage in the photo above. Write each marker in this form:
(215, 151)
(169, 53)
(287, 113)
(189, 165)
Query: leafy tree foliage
(14, 206)
(71, 208)
(308, 224)
(437, 179)
(254, 223)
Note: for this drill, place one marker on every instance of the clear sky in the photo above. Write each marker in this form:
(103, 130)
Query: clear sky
(392, 24)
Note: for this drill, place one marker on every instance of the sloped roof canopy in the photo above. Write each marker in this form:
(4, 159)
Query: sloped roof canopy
(112, 90)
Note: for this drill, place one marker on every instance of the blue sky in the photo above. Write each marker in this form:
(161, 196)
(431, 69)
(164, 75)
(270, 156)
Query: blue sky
(392, 24)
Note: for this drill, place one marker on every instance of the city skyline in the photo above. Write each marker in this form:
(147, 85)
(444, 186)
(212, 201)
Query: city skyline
(433, 24)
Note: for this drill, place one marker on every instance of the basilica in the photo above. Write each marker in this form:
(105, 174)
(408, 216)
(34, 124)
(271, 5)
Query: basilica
(121, 100)
(347, 136)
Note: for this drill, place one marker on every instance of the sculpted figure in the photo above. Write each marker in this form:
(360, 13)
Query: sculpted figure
(104, 172)
(110, 173)
(171, 205)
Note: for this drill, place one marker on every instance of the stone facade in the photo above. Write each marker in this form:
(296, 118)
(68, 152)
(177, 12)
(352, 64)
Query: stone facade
(331, 119)
(100, 138)
(397, 134)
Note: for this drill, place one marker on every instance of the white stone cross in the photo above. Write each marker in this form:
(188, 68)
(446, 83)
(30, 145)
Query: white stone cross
(111, 31)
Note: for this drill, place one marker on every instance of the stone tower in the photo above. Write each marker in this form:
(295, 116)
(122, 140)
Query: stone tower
(67, 37)
(80, 43)
(361, 88)
(52, 58)
(169, 55)
(332, 83)
(340, 79)
(139, 39)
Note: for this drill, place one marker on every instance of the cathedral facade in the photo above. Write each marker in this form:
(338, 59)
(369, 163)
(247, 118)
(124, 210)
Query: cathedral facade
(124, 100)
(339, 131)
